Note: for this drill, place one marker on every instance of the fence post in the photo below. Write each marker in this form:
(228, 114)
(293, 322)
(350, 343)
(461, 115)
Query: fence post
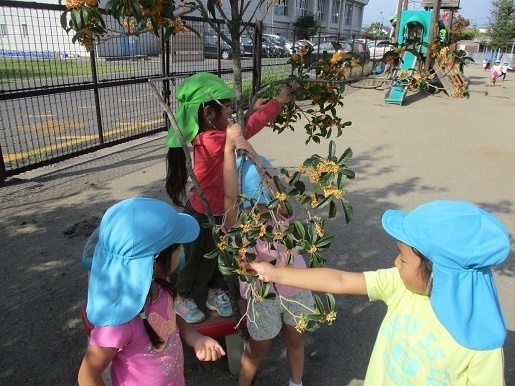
(2, 169)
(95, 93)
(256, 57)
(165, 70)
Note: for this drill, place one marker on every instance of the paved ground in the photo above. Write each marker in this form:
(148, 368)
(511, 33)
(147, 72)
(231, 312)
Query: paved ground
(430, 148)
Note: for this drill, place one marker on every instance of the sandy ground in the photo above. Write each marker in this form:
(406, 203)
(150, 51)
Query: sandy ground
(430, 148)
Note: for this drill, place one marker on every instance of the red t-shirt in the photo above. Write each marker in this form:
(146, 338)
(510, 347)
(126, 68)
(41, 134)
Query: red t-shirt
(208, 158)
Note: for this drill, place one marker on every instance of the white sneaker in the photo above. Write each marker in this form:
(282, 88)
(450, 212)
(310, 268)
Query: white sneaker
(188, 310)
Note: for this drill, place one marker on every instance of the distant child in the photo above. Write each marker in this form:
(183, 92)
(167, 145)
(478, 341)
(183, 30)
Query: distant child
(504, 69)
(203, 122)
(130, 300)
(484, 64)
(496, 72)
(444, 324)
(266, 318)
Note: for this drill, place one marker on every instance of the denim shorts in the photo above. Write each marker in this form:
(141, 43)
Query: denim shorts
(265, 319)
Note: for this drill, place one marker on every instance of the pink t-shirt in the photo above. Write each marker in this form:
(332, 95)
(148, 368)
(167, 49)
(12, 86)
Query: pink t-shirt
(265, 252)
(137, 361)
(208, 156)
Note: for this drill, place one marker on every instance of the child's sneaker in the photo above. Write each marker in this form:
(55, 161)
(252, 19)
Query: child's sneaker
(188, 310)
(219, 301)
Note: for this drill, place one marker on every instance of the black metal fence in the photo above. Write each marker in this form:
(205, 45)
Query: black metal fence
(58, 101)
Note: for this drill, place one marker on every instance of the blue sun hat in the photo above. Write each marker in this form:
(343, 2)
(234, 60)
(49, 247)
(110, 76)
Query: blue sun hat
(251, 185)
(463, 242)
(191, 93)
(131, 233)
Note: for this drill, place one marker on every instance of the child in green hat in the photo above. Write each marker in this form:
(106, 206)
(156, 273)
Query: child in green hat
(203, 122)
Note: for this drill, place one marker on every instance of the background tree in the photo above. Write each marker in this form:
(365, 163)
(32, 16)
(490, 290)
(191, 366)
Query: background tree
(459, 29)
(375, 30)
(307, 26)
(501, 26)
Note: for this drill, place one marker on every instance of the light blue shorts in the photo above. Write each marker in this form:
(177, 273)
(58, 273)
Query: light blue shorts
(269, 315)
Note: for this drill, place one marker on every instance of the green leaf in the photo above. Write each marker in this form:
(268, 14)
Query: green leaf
(76, 19)
(212, 254)
(300, 228)
(211, 7)
(324, 241)
(332, 209)
(288, 207)
(332, 149)
(313, 328)
(136, 9)
(300, 186)
(108, 6)
(316, 317)
(319, 306)
(265, 289)
(324, 202)
(277, 184)
(64, 19)
(347, 210)
(226, 269)
(346, 156)
(168, 33)
(331, 303)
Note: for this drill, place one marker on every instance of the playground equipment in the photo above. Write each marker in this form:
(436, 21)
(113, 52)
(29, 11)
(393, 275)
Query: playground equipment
(415, 29)
(213, 325)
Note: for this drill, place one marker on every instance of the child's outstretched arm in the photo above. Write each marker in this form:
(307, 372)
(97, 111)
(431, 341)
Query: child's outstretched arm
(234, 140)
(94, 363)
(314, 279)
(205, 347)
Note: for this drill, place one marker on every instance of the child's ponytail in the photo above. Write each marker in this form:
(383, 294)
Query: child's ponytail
(163, 259)
(176, 175)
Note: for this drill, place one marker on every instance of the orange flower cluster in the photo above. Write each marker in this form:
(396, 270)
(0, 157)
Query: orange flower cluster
(78, 4)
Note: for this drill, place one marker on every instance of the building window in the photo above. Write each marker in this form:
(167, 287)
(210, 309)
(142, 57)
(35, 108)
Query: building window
(347, 14)
(357, 16)
(3, 29)
(302, 7)
(335, 9)
(319, 12)
(281, 8)
(24, 30)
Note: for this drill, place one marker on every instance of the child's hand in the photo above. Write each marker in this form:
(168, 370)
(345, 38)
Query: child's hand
(241, 143)
(262, 269)
(287, 94)
(207, 349)
(233, 131)
(260, 103)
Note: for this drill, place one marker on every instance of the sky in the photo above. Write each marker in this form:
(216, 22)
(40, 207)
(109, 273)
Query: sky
(477, 11)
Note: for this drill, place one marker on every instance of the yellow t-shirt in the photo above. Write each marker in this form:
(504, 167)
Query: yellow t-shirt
(414, 348)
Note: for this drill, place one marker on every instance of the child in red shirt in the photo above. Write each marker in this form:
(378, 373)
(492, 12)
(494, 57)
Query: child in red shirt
(203, 122)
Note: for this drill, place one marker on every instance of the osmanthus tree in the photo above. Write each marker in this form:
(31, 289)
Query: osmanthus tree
(317, 186)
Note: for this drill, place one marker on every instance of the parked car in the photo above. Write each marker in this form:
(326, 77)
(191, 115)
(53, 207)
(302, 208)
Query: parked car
(247, 45)
(281, 49)
(377, 50)
(301, 43)
(282, 41)
(211, 47)
(353, 49)
(268, 49)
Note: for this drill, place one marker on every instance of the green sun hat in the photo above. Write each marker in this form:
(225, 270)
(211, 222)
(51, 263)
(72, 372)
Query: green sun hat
(191, 93)
(393, 17)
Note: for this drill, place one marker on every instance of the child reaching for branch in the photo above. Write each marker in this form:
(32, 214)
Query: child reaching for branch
(444, 324)
(265, 318)
(203, 121)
